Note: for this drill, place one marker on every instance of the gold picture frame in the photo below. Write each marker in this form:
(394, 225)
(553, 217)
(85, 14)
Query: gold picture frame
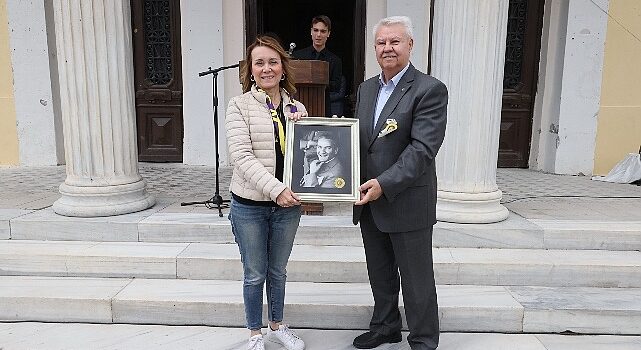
(322, 159)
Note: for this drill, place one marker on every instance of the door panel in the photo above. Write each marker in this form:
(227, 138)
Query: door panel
(519, 83)
(158, 79)
(161, 134)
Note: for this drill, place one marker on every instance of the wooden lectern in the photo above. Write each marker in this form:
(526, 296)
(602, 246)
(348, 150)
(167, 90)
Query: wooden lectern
(311, 78)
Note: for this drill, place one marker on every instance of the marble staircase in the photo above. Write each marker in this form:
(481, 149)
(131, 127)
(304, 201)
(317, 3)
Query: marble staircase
(158, 225)
(318, 264)
(156, 267)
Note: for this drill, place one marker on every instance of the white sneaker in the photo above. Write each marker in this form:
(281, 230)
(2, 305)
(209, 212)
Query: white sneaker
(256, 343)
(287, 337)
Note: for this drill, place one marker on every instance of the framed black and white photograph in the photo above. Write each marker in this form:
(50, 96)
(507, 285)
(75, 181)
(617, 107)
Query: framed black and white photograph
(322, 159)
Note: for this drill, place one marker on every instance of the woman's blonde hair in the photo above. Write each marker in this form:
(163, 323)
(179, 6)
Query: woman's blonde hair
(245, 68)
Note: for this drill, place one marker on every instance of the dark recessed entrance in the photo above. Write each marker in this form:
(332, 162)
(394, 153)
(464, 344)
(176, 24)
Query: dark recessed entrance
(523, 48)
(291, 19)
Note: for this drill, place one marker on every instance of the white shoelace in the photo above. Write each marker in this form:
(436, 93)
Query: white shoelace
(256, 343)
(288, 337)
(290, 334)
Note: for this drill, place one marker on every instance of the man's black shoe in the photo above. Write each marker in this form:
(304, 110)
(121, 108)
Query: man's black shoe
(370, 340)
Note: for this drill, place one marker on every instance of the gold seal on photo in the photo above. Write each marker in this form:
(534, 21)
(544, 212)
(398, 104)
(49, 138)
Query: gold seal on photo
(339, 182)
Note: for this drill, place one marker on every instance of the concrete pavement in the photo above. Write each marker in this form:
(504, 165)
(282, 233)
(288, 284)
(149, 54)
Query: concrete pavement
(68, 336)
(530, 194)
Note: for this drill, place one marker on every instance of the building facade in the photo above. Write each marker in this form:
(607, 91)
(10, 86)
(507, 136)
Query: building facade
(545, 85)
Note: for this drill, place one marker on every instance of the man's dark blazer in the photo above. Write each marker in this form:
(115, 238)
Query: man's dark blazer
(403, 160)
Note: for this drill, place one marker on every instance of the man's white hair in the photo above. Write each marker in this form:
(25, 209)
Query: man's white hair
(405, 21)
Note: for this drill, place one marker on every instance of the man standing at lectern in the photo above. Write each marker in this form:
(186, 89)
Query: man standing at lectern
(320, 31)
(402, 115)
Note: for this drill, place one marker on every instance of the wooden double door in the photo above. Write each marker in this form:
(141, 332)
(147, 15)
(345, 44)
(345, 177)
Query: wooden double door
(158, 79)
(522, 52)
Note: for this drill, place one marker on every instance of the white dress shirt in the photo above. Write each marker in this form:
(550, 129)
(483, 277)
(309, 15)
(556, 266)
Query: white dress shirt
(385, 91)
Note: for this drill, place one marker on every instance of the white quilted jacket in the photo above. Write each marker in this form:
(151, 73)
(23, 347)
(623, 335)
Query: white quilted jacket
(250, 139)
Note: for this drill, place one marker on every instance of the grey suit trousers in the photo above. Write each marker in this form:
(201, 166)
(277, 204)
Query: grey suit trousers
(387, 253)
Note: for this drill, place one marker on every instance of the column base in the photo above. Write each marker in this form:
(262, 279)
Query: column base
(92, 201)
(470, 208)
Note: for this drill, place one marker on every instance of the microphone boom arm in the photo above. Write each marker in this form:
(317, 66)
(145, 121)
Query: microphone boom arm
(212, 71)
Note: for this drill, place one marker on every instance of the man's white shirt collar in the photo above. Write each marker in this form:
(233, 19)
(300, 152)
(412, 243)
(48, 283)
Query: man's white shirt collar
(395, 79)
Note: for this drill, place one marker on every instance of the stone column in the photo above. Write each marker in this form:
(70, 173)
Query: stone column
(468, 54)
(93, 40)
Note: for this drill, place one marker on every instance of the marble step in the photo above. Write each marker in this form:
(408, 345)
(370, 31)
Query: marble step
(307, 263)
(34, 335)
(153, 225)
(315, 305)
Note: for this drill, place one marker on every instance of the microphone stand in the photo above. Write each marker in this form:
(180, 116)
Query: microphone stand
(216, 201)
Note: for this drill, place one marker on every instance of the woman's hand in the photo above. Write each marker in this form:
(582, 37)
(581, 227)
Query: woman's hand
(296, 116)
(287, 198)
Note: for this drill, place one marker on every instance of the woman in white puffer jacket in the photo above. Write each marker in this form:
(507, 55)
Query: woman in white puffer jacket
(264, 212)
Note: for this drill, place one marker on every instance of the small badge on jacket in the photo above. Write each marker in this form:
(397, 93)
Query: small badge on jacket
(390, 126)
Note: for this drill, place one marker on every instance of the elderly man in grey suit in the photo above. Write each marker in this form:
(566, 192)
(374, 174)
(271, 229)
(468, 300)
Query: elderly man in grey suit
(402, 115)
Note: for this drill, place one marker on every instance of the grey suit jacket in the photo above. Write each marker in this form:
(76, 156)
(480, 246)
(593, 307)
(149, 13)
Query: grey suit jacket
(403, 160)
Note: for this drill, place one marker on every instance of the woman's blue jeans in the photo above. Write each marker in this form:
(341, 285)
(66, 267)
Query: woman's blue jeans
(265, 236)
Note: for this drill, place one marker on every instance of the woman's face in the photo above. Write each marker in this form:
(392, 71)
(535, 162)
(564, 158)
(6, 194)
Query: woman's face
(267, 67)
